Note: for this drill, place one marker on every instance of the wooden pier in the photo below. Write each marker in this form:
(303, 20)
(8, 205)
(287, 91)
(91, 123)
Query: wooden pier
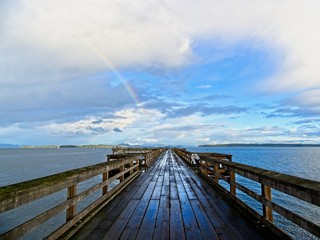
(168, 202)
(163, 194)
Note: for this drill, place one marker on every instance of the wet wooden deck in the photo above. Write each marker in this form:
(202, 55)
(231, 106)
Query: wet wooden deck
(168, 202)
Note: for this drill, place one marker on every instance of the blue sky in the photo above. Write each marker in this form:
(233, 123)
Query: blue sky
(159, 72)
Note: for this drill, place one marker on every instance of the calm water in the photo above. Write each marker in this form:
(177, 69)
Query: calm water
(17, 165)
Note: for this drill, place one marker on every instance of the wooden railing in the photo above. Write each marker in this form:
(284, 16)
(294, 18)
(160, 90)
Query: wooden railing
(125, 168)
(191, 157)
(146, 155)
(124, 150)
(215, 167)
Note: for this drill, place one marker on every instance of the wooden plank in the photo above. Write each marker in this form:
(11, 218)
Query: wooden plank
(235, 223)
(149, 221)
(162, 232)
(173, 191)
(207, 230)
(172, 181)
(160, 178)
(191, 228)
(162, 224)
(176, 221)
(145, 183)
(189, 221)
(129, 234)
(116, 229)
(137, 216)
(150, 217)
(98, 232)
(148, 192)
(191, 194)
(215, 217)
(139, 193)
(156, 193)
(129, 209)
(215, 214)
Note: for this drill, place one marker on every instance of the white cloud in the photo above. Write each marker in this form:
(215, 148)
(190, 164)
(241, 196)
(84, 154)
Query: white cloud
(76, 34)
(207, 86)
(310, 98)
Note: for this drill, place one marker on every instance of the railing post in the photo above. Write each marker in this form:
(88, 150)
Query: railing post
(201, 167)
(121, 170)
(105, 177)
(216, 172)
(147, 159)
(71, 211)
(138, 167)
(267, 211)
(233, 188)
(206, 171)
(131, 165)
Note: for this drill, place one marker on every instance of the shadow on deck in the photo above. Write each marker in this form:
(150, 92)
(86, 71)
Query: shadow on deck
(168, 201)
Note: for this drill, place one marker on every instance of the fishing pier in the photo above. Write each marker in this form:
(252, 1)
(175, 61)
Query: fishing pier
(163, 194)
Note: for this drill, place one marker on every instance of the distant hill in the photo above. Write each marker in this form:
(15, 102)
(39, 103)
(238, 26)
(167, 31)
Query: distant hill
(68, 146)
(146, 145)
(260, 145)
(5, 145)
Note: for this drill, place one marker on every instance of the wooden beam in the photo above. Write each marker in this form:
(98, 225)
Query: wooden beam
(71, 211)
(233, 184)
(267, 211)
(105, 177)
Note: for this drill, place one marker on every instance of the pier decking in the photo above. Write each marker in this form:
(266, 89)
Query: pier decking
(168, 201)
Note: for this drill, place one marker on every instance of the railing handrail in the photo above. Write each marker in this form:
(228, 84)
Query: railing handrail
(220, 166)
(145, 158)
(304, 189)
(132, 150)
(61, 180)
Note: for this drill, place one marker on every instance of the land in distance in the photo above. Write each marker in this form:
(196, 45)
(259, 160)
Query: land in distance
(260, 145)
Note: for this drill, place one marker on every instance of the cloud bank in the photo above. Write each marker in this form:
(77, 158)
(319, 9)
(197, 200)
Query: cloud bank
(72, 35)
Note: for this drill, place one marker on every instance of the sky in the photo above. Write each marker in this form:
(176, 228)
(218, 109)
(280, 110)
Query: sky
(159, 72)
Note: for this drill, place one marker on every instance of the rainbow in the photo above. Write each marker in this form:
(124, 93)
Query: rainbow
(129, 89)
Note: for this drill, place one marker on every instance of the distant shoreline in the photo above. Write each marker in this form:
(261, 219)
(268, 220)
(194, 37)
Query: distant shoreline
(260, 145)
(202, 145)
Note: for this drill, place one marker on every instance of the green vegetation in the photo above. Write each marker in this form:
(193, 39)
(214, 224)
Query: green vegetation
(260, 145)
(72, 146)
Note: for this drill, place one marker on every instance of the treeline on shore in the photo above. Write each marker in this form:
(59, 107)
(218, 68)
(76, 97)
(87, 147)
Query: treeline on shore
(73, 146)
(261, 145)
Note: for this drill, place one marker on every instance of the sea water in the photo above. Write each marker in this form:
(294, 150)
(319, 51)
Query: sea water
(20, 164)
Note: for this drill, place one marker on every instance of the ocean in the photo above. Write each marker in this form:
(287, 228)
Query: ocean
(21, 164)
